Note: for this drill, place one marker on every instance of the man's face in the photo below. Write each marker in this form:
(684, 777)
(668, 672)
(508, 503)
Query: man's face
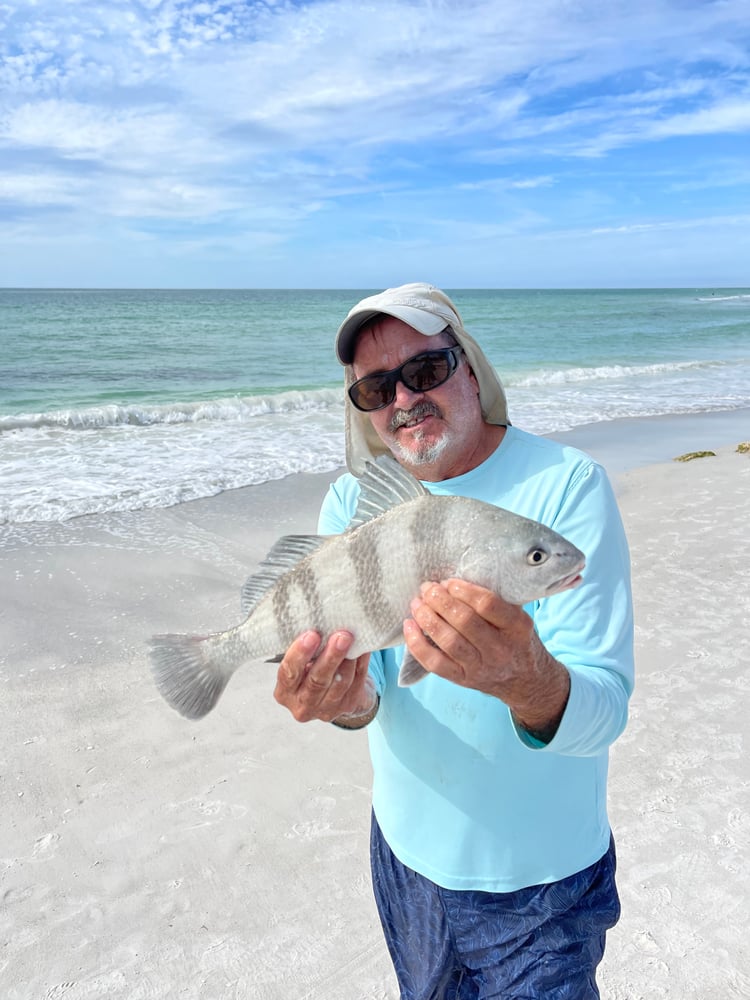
(432, 433)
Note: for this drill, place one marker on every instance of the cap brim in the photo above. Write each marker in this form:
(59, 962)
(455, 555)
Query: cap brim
(419, 320)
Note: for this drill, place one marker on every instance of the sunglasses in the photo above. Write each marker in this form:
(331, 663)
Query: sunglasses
(420, 374)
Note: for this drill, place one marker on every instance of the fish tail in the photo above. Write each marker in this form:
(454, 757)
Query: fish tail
(186, 674)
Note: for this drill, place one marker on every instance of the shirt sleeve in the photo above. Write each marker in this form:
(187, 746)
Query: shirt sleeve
(338, 506)
(590, 629)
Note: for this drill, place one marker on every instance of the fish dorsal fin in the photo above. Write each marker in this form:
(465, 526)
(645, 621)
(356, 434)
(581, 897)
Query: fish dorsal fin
(383, 485)
(285, 554)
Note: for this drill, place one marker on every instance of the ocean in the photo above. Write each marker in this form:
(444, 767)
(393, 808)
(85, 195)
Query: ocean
(114, 400)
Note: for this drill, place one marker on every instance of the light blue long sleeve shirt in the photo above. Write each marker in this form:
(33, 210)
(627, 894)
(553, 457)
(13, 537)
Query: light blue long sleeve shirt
(463, 795)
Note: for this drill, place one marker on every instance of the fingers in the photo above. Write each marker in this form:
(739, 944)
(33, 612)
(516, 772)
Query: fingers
(444, 629)
(464, 632)
(456, 622)
(454, 596)
(471, 609)
(431, 656)
(330, 666)
(296, 661)
(321, 686)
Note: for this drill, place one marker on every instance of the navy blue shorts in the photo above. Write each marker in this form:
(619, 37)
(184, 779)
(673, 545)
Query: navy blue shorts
(539, 943)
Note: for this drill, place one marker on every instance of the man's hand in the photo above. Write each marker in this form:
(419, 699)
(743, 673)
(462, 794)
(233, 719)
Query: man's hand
(326, 686)
(474, 638)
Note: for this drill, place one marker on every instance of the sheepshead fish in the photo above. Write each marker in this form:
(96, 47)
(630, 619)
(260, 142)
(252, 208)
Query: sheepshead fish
(364, 579)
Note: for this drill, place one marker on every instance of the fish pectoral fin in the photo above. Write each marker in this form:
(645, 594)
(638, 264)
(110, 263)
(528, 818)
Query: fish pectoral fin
(285, 555)
(383, 485)
(411, 671)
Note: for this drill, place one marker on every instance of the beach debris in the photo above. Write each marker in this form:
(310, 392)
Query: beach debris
(743, 447)
(364, 579)
(690, 455)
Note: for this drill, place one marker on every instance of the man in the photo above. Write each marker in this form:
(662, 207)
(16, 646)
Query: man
(492, 857)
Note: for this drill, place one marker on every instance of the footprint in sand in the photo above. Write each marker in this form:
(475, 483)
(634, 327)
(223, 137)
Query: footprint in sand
(55, 992)
(738, 823)
(221, 810)
(45, 847)
(17, 895)
(738, 985)
(309, 830)
(213, 810)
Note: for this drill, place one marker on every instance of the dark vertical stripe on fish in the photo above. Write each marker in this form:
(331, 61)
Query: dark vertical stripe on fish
(368, 575)
(304, 579)
(282, 609)
(307, 580)
(429, 542)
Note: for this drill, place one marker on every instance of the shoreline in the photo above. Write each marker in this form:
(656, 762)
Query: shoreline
(619, 445)
(634, 442)
(227, 859)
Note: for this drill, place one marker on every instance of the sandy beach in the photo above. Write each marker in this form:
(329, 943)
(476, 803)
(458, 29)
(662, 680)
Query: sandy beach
(145, 856)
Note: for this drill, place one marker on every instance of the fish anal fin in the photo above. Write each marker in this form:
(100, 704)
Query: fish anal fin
(411, 671)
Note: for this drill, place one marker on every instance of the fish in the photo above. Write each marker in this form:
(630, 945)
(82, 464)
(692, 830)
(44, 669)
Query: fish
(364, 579)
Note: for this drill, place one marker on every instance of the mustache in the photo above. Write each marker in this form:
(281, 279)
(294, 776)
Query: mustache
(423, 409)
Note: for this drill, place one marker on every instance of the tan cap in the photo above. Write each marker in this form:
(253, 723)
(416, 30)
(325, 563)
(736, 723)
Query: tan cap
(428, 310)
(422, 307)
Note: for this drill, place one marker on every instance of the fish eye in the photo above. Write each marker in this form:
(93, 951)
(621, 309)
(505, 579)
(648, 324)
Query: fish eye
(535, 557)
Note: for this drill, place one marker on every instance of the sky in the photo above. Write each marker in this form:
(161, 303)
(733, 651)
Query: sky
(366, 143)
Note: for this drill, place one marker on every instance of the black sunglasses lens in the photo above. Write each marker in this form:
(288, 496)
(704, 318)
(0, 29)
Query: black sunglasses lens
(427, 372)
(420, 374)
(373, 392)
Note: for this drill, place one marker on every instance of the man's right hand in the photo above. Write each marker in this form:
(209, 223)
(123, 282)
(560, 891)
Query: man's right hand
(327, 686)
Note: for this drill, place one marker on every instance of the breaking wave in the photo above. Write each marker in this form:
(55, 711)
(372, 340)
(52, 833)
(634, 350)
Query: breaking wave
(723, 298)
(232, 408)
(563, 376)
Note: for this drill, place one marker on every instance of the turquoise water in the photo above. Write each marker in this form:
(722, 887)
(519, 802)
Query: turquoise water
(115, 400)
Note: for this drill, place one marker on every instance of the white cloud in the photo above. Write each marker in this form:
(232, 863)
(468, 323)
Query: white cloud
(500, 185)
(726, 116)
(41, 189)
(672, 225)
(130, 138)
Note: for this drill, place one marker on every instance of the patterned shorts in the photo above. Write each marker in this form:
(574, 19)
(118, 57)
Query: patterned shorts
(540, 943)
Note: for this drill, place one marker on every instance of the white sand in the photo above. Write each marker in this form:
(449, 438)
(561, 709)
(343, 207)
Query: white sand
(144, 856)
(680, 776)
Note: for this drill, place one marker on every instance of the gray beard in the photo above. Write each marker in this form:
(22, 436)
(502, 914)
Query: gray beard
(425, 454)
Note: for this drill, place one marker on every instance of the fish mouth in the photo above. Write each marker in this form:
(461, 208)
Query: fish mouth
(569, 581)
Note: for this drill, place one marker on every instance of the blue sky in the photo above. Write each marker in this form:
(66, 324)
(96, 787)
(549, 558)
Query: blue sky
(472, 143)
